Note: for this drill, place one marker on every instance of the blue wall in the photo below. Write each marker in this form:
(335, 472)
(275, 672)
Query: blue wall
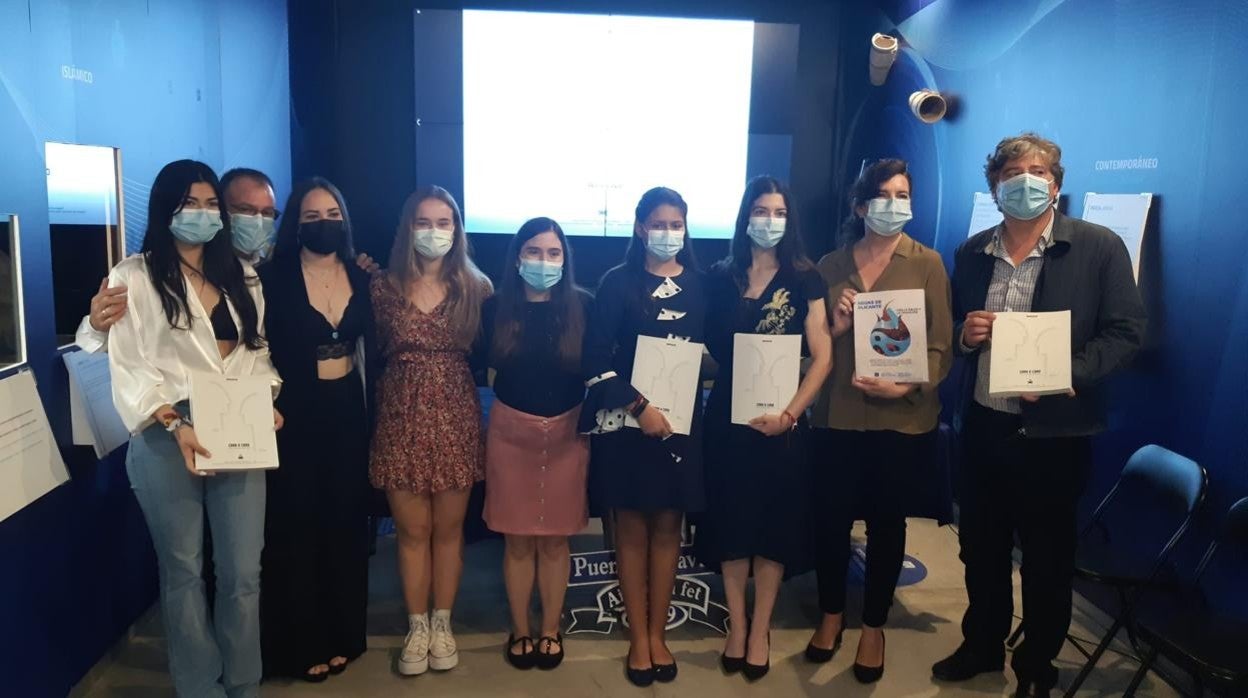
(162, 80)
(1157, 80)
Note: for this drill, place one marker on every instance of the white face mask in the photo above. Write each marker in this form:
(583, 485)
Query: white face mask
(887, 216)
(433, 243)
(765, 231)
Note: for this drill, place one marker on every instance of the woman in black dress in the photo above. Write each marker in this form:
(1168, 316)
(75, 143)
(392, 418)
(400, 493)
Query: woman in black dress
(648, 476)
(314, 579)
(757, 474)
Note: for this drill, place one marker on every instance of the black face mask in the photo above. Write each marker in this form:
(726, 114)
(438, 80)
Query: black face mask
(323, 236)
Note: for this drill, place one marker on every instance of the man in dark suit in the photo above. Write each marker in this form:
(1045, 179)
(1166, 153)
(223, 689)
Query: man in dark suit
(1028, 457)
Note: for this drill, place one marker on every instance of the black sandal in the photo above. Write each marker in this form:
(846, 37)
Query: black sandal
(315, 678)
(336, 669)
(545, 659)
(527, 657)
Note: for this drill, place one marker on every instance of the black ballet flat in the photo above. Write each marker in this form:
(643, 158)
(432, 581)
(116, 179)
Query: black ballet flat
(639, 677)
(819, 655)
(665, 673)
(754, 672)
(870, 674)
(315, 678)
(524, 660)
(731, 665)
(545, 660)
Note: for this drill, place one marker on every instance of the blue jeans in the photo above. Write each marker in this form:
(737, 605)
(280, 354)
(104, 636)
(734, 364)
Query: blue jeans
(217, 657)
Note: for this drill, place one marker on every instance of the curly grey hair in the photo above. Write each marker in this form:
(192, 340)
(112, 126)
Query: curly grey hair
(1014, 147)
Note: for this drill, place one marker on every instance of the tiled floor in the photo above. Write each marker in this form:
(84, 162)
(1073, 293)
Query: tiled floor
(923, 628)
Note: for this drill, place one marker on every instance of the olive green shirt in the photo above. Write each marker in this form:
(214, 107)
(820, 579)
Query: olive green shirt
(842, 406)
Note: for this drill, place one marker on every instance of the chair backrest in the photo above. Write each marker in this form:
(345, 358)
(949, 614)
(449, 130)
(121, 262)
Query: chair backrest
(1151, 505)
(1175, 477)
(1224, 566)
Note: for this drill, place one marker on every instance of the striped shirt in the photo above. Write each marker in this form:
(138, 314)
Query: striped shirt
(1011, 290)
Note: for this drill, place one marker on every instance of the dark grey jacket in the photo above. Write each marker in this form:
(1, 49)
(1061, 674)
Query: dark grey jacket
(1086, 270)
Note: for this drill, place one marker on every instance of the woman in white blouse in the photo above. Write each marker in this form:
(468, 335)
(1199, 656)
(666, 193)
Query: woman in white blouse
(193, 308)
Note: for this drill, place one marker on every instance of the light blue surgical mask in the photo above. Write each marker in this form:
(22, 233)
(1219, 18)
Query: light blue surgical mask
(765, 231)
(196, 226)
(887, 216)
(251, 233)
(540, 274)
(665, 244)
(1024, 196)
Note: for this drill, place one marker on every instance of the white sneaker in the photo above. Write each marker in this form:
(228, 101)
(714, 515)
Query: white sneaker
(443, 654)
(415, 657)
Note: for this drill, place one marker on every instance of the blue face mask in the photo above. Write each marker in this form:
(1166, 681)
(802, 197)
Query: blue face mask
(665, 244)
(251, 233)
(765, 231)
(540, 274)
(887, 216)
(196, 226)
(1023, 196)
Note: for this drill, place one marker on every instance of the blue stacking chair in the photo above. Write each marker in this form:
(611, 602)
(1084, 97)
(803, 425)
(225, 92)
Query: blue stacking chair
(1159, 491)
(1200, 627)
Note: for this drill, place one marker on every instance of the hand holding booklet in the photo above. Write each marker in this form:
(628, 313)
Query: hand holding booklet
(233, 418)
(890, 336)
(666, 371)
(766, 371)
(1030, 353)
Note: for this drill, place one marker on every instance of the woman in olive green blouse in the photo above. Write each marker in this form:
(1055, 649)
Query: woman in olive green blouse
(878, 434)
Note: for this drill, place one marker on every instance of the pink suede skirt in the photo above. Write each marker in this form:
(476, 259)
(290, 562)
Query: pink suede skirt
(535, 473)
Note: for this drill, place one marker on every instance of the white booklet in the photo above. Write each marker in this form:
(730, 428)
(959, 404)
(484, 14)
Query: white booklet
(666, 371)
(1030, 353)
(234, 421)
(890, 336)
(766, 370)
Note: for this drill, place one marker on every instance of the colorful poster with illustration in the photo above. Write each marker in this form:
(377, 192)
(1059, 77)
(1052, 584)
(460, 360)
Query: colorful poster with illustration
(890, 336)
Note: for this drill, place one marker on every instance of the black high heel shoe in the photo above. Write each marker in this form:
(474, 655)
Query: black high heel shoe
(819, 655)
(545, 659)
(754, 672)
(524, 660)
(871, 674)
(731, 665)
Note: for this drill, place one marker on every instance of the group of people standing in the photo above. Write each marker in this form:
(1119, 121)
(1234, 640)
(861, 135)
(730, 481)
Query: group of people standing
(375, 375)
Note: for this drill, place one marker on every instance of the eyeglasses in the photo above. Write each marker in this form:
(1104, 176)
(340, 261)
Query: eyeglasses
(245, 210)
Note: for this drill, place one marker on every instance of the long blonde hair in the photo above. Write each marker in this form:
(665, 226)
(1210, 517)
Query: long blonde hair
(466, 286)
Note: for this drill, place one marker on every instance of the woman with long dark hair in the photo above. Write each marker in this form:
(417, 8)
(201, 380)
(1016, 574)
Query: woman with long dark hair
(193, 308)
(757, 474)
(315, 579)
(427, 449)
(883, 434)
(535, 461)
(647, 476)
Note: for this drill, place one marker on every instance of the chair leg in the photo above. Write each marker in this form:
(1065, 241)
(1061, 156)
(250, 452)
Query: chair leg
(1096, 657)
(1015, 637)
(1139, 675)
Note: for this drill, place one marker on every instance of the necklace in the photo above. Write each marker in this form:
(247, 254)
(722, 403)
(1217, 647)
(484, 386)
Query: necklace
(323, 280)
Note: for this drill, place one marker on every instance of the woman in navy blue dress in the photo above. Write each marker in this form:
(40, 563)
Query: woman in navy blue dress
(648, 476)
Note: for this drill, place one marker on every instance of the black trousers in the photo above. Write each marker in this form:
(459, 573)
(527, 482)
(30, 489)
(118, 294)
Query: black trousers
(314, 569)
(1025, 487)
(865, 475)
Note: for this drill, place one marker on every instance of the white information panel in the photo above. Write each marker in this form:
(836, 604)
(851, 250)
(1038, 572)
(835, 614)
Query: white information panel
(1125, 214)
(91, 402)
(30, 463)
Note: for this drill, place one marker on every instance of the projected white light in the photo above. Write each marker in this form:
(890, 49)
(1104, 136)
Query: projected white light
(574, 116)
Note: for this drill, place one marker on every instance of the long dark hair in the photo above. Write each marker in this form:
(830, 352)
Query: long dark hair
(635, 257)
(865, 188)
(288, 244)
(221, 267)
(565, 298)
(790, 252)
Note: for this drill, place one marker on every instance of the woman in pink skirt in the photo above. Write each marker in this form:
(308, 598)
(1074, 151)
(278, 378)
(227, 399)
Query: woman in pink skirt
(427, 448)
(536, 462)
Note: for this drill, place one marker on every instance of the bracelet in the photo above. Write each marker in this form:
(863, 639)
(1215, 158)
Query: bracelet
(639, 405)
(792, 419)
(177, 422)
